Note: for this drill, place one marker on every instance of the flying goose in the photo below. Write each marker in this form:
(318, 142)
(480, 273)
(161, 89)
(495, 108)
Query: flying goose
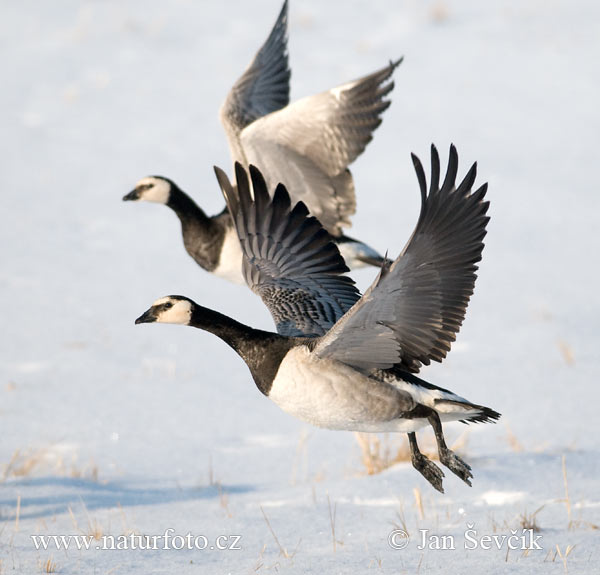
(307, 145)
(339, 360)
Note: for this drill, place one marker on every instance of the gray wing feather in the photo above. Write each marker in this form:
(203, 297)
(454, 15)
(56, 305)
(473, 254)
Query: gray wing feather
(412, 312)
(309, 144)
(263, 88)
(290, 260)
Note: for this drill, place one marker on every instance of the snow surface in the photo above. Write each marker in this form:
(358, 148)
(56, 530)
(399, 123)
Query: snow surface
(112, 428)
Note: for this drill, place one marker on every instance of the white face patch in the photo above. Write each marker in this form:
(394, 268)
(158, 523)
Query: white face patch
(154, 190)
(180, 312)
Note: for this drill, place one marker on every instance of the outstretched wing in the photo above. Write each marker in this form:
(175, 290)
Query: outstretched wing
(290, 260)
(263, 88)
(309, 144)
(415, 307)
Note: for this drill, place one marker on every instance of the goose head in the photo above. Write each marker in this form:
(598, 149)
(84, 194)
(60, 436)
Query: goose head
(151, 189)
(170, 309)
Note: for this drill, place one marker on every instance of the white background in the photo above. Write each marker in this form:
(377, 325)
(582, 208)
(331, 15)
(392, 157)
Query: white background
(113, 428)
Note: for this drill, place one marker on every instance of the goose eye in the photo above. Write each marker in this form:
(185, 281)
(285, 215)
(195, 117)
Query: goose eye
(168, 305)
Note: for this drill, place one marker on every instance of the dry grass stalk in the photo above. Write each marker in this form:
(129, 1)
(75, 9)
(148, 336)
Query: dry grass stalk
(378, 455)
(24, 463)
(18, 513)
(401, 524)
(550, 556)
(371, 453)
(439, 12)
(88, 472)
(573, 523)
(282, 550)
(564, 555)
(529, 521)
(300, 464)
(459, 445)
(93, 526)
(124, 522)
(419, 502)
(260, 562)
(332, 515)
(567, 353)
(95, 529)
(567, 498)
(49, 566)
(224, 500)
(211, 475)
(513, 442)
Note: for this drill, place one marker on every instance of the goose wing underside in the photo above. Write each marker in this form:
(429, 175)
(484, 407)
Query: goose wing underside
(290, 260)
(262, 89)
(309, 144)
(411, 313)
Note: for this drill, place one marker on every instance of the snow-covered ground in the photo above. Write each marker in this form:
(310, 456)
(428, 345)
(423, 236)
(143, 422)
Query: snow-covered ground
(110, 429)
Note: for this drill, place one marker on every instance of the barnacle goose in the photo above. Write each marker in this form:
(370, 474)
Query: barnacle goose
(307, 145)
(339, 360)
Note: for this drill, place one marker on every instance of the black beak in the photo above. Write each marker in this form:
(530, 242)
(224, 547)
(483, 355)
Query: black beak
(147, 317)
(131, 196)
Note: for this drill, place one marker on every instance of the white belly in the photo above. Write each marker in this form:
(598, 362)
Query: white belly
(230, 262)
(329, 394)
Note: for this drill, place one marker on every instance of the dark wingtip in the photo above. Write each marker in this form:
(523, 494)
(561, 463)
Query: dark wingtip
(395, 63)
(223, 181)
(420, 176)
(482, 189)
(452, 170)
(219, 173)
(468, 181)
(241, 177)
(258, 180)
(239, 169)
(301, 209)
(453, 155)
(281, 191)
(227, 190)
(259, 187)
(435, 170)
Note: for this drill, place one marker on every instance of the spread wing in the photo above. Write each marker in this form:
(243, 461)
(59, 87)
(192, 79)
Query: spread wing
(263, 88)
(309, 144)
(290, 261)
(412, 312)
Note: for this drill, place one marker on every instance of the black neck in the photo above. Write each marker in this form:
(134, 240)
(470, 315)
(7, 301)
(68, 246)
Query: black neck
(261, 350)
(202, 236)
(186, 209)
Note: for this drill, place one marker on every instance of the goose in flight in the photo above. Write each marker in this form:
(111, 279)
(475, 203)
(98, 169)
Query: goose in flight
(339, 360)
(308, 145)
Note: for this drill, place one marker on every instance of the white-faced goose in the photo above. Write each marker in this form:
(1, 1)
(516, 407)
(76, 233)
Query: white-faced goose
(342, 361)
(307, 145)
